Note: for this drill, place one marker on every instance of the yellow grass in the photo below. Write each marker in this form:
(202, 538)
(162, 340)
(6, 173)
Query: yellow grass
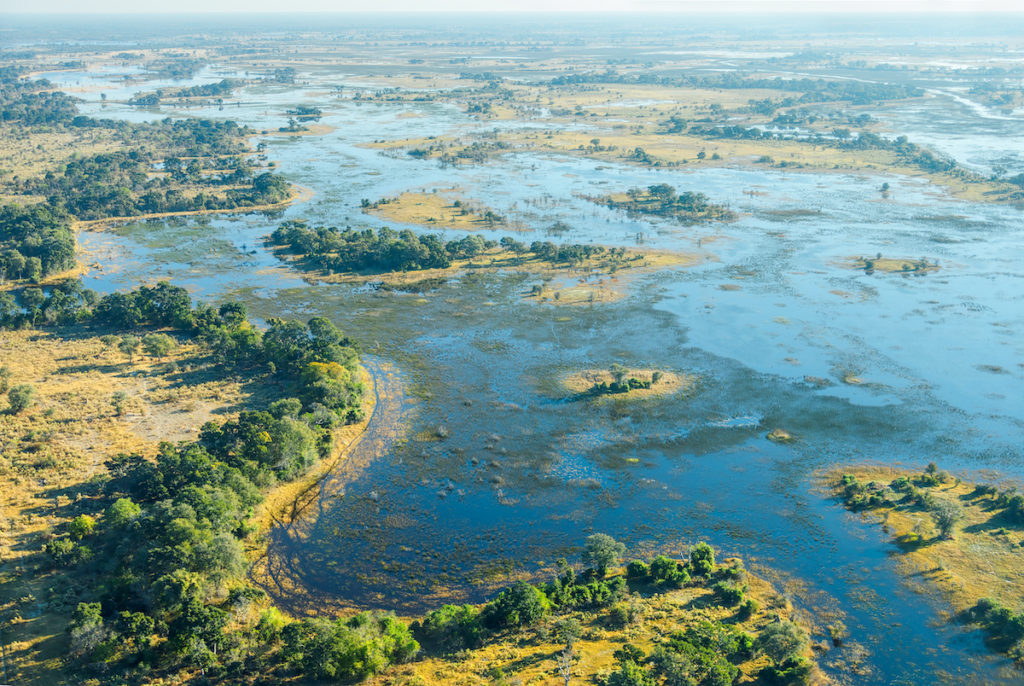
(980, 561)
(25, 153)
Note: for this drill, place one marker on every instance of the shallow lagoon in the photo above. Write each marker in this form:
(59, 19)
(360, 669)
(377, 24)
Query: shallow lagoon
(521, 475)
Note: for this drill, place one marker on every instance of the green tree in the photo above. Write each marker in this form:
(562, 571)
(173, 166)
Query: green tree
(946, 515)
(122, 513)
(602, 551)
(518, 605)
(702, 559)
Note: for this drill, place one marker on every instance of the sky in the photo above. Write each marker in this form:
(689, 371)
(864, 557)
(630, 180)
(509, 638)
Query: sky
(583, 6)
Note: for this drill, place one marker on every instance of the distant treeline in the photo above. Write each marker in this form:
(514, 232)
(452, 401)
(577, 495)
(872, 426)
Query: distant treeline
(843, 139)
(812, 90)
(123, 183)
(348, 250)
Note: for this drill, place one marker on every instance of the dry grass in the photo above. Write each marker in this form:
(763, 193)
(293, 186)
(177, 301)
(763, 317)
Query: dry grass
(61, 442)
(984, 559)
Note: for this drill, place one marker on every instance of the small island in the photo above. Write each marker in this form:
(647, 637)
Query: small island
(893, 265)
(662, 200)
(619, 380)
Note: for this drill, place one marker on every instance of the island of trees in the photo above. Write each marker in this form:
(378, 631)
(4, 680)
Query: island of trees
(338, 251)
(662, 200)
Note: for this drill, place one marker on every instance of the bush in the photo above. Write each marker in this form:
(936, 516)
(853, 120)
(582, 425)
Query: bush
(621, 615)
(748, 609)
(794, 671)
(451, 628)
(81, 526)
(158, 344)
(518, 605)
(637, 569)
(781, 640)
(21, 397)
(630, 674)
(729, 594)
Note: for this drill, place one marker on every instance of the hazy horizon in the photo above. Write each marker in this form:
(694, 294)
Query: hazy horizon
(185, 7)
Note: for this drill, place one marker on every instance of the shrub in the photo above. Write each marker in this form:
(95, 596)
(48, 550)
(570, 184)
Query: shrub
(781, 640)
(748, 608)
(452, 628)
(637, 569)
(793, 671)
(81, 526)
(21, 397)
(518, 605)
(729, 594)
(619, 615)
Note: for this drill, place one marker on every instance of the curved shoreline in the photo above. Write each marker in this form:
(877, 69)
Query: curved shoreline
(286, 506)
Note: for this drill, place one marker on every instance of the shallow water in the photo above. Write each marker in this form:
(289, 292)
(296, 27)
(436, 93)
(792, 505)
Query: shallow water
(522, 476)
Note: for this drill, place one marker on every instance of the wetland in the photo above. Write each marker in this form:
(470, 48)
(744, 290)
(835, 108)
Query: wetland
(784, 351)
